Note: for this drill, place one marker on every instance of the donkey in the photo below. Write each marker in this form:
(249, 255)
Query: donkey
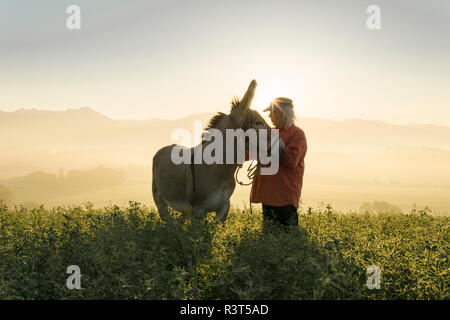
(197, 189)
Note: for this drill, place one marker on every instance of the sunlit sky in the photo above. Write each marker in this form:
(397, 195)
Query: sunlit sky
(143, 59)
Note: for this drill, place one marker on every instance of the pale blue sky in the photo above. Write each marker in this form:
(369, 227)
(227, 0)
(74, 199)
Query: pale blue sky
(168, 59)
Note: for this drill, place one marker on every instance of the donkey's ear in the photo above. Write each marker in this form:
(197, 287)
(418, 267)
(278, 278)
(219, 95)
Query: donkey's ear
(246, 100)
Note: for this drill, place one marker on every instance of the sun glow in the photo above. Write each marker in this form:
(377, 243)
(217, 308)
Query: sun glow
(281, 84)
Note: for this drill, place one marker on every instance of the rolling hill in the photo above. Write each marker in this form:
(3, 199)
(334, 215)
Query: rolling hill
(348, 162)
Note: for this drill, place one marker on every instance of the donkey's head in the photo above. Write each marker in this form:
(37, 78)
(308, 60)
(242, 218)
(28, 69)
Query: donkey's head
(242, 117)
(247, 125)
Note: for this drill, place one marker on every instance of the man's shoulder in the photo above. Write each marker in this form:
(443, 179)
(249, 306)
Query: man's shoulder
(297, 131)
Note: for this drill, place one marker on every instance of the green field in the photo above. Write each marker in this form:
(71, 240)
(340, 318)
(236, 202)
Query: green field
(128, 253)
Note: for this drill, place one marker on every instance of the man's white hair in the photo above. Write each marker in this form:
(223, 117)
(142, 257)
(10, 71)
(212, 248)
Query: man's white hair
(289, 116)
(287, 109)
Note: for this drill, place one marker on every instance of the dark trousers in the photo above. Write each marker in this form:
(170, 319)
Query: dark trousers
(284, 215)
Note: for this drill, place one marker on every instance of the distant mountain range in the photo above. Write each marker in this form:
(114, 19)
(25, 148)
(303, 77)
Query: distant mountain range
(348, 162)
(86, 127)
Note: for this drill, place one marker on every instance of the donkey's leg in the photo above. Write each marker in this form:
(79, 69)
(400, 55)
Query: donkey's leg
(198, 213)
(222, 213)
(163, 208)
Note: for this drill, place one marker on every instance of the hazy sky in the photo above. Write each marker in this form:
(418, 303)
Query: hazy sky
(168, 59)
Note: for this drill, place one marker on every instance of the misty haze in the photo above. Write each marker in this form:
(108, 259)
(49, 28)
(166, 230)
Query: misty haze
(79, 155)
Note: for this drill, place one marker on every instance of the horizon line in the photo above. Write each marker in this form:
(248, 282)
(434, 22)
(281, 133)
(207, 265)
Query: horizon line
(212, 113)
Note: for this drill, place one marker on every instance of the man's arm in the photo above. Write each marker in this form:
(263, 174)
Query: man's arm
(295, 151)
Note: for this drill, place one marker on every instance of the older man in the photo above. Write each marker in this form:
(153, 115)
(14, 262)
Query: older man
(280, 193)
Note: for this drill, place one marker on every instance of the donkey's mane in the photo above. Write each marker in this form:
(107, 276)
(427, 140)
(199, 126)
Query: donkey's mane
(235, 103)
(215, 120)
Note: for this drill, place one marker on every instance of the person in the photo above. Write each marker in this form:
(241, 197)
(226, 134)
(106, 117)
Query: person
(280, 193)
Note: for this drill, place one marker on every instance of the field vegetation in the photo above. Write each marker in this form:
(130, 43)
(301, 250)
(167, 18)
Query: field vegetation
(128, 253)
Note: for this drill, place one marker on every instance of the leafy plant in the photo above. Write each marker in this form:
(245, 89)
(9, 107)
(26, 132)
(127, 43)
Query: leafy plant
(128, 253)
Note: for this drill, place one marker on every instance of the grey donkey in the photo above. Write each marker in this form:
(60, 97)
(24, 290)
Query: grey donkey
(201, 188)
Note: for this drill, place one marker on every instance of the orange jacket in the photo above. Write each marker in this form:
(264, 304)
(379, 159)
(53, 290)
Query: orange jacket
(285, 187)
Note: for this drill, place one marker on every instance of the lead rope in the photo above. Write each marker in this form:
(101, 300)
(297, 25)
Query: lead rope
(252, 172)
